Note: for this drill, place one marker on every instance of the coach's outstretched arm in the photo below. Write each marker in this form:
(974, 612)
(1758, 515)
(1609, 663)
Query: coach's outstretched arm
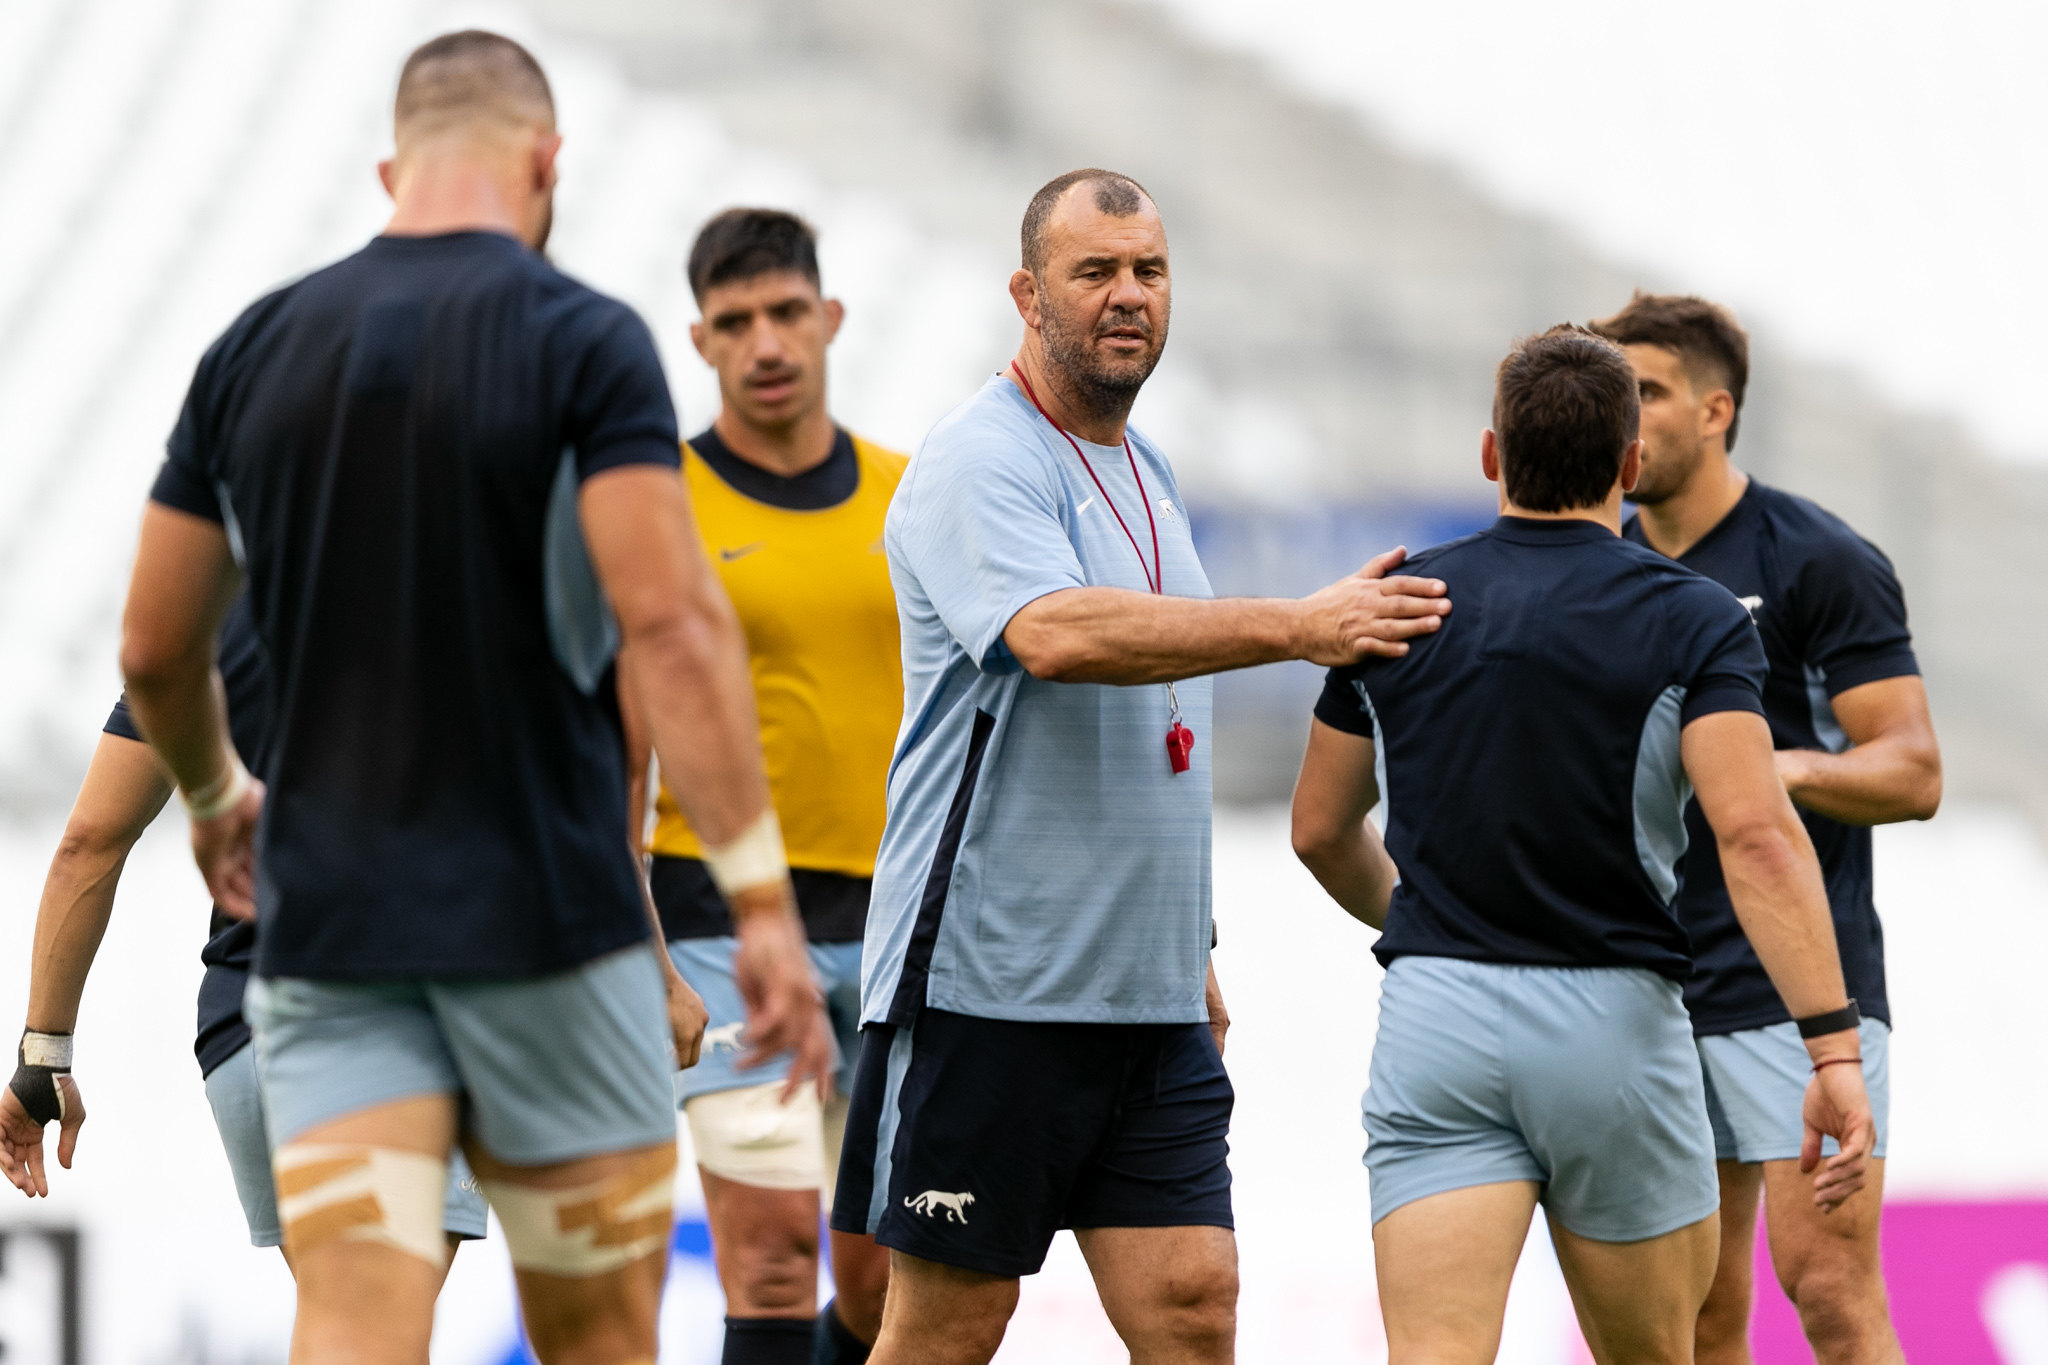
(123, 790)
(1113, 635)
(184, 580)
(686, 666)
(1774, 883)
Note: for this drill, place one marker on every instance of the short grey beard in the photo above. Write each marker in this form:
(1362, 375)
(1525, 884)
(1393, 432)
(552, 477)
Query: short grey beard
(1098, 393)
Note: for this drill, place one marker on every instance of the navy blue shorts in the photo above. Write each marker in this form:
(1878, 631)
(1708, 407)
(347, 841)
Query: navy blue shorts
(972, 1141)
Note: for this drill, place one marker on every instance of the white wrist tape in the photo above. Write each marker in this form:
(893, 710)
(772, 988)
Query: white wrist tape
(52, 1050)
(222, 794)
(753, 858)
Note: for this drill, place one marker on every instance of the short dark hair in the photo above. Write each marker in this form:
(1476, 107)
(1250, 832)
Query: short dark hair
(469, 72)
(741, 243)
(1116, 194)
(1564, 412)
(1705, 337)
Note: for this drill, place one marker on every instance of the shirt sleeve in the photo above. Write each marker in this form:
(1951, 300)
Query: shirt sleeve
(620, 412)
(186, 481)
(121, 721)
(1853, 612)
(1342, 704)
(982, 534)
(1731, 668)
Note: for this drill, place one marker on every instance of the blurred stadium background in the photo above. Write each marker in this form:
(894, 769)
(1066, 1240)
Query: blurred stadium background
(1342, 299)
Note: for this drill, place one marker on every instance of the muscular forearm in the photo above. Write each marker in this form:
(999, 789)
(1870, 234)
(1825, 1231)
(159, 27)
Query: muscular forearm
(696, 701)
(184, 712)
(1775, 886)
(1357, 872)
(1111, 635)
(1886, 780)
(78, 899)
(123, 791)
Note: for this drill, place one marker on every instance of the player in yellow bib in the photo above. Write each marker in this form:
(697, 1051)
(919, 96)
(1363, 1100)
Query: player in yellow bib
(791, 508)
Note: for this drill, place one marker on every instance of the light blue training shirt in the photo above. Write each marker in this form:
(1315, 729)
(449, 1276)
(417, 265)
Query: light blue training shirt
(1041, 859)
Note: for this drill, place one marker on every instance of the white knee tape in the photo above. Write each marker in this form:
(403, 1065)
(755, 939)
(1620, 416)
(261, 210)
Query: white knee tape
(749, 1136)
(589, 1229)
(360, 1193)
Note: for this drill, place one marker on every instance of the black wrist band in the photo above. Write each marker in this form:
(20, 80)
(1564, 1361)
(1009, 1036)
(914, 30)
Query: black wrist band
(1834, 1021)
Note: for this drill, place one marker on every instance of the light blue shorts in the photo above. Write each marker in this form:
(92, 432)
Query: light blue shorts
(706, 963)
(1756, 1083)
(238, 1113)
(549, 1069)
(1581, 1079)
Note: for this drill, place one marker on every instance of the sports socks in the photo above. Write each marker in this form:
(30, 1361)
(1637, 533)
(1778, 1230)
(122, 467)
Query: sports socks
(833, 1343)
(767, 1341)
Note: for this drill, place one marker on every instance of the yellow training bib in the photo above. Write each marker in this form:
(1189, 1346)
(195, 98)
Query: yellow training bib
(812, 590)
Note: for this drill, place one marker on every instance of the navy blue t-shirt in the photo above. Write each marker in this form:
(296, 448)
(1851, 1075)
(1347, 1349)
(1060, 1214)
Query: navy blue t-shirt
(1832, 617)
(230, 942)
(395, 445)
(1527, 753)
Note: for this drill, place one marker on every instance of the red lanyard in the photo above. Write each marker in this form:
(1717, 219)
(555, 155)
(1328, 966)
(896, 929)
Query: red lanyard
(1180, 741)
(1155, 572)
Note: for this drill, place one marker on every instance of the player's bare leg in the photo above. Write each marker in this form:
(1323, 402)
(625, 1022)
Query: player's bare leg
(1722, 1337)
(767, 1243)
(942, 1315)
(1171, 1293)
(860, 1280)
(1829, 1267)
(579, 1316)
(362, 1301)
(1444, 1264)
(1639, 1302)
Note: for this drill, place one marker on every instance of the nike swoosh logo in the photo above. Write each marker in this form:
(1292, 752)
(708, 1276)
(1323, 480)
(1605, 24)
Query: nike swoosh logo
(741, 551)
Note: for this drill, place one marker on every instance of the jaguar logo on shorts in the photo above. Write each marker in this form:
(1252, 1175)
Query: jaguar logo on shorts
(725, 1037)
(931, 1201)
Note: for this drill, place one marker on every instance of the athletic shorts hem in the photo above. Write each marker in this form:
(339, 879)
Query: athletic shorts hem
(544, 1154)
(960, 1258)
(1383, 1205)
(1594, 1231)
(1169, 1218)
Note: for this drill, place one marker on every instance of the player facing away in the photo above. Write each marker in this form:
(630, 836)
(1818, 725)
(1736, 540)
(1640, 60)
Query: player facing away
(124, 789)
(448, 474)
(1041, 1029)
(791, 505)
(1535, 761)
(1855, 748)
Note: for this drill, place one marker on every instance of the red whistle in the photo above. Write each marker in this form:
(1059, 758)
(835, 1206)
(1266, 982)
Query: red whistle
(1180, 742)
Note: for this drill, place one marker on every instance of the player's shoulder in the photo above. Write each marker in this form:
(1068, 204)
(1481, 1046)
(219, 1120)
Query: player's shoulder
(249, 335)
(989, 436)
(1820, 556)
(1802, 528)
(575, 307)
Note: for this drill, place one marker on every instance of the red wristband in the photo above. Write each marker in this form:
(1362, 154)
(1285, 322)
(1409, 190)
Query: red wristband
(1835, 1061)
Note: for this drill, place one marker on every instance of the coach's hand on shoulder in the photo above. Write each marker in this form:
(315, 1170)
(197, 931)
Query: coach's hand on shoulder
(225, 849)
(1369, 613)
(772, 967)
(21, 1138)
(1837, 1106)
